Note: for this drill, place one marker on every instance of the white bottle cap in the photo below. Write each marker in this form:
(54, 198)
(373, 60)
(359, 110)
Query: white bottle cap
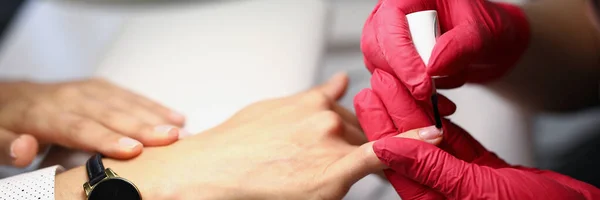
(424, 29)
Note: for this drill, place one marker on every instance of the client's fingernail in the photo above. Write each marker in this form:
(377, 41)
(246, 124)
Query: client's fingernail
(337, 76)
(12, 148)
(430, 133)
(166, 130)
(128, 143)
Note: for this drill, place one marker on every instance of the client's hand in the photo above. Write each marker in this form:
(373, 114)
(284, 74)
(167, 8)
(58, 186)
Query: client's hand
(299, 147)
(91, 115)
(461, 168)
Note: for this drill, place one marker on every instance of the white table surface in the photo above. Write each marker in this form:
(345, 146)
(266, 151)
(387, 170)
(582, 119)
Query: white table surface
(204, 59)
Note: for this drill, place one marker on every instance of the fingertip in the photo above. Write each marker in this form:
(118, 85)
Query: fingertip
(166, 134)
(177, 118)
(362, 98)
(126, 148)
(184, 133)
(125, 154)
(336, 86)
(23, 150)
(159, 135)
(446, 106)
(451, 82)
(436, 141)
(340, 79)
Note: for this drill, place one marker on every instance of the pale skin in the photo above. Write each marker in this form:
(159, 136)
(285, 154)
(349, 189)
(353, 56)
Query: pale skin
(91, 115)
(303, 146)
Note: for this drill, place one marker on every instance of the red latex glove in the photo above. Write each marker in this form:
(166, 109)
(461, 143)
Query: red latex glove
(461, 168)
(480, 41)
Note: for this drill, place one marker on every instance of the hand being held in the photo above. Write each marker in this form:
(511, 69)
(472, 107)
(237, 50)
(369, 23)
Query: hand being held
(304, 146)
(480, 41)
(91, 115)
(460, 168)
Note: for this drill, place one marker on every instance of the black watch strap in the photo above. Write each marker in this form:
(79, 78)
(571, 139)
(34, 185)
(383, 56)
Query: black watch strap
(95, 169)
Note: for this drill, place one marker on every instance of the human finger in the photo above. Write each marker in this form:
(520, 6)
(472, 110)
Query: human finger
(373, 116)
(335, 87)
(393, 36)
(126, 124)
(400, 105)
(74, 131)
(19, 150)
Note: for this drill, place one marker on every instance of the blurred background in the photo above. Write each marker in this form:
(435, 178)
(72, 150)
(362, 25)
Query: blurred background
(173, 50)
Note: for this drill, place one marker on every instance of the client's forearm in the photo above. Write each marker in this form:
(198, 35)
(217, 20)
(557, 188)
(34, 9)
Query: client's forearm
(69, 184)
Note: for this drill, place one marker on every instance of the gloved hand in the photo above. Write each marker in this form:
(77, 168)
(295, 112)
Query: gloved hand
(461, 168)
(389, 109)
(480, 41)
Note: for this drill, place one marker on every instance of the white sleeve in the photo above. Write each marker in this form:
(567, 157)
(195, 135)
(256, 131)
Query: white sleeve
(30, 186)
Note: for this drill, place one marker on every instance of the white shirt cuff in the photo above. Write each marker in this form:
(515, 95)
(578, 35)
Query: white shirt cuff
(30, 186)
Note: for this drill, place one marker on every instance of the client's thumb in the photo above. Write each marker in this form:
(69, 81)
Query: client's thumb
(18, 150)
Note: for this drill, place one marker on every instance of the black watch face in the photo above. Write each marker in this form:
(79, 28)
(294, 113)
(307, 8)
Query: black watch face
(114, 189)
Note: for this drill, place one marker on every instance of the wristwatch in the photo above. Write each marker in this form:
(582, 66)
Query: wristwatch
(106, 184)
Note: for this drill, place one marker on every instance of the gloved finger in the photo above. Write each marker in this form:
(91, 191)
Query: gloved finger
(461, 144)
(123, 123)
(457, 179)
(455, 50)
(373, 56)
(373, 116)
(74, 131)
(408, 188)
(377, 124)
(446, 107)
(402, 108)
(433, 167)
(363, 161)
(19, 150)
(407, 114)
(451, 82)
(393, 35)
(587, 190)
